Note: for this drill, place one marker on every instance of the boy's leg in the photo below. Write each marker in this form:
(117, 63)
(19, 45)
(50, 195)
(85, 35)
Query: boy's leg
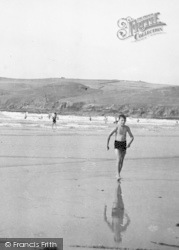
(120, 158)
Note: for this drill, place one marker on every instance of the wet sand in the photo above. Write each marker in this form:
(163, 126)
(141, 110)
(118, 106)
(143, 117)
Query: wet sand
(62, 184)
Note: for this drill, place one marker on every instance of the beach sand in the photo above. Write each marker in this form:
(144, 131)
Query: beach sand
(62, 184)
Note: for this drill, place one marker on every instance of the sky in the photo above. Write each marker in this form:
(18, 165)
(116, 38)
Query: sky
(78, 39)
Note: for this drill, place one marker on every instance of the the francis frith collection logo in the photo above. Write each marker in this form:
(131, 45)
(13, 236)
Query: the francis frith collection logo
(139, 28)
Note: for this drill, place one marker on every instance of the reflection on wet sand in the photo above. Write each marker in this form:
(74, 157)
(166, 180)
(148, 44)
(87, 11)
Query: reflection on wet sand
(120, 219)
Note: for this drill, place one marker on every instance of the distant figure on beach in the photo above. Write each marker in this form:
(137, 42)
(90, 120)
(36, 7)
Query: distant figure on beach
(26, 113)
(138, 120)
(90, 118)
(105, 119)
(115, 121)
(120, 143)
(118, 214)
(49, 116)
(54, 120)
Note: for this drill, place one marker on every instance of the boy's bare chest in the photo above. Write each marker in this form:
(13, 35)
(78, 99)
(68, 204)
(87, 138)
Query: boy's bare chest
(122, 130)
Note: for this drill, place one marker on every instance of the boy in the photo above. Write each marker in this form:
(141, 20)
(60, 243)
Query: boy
(120, 144)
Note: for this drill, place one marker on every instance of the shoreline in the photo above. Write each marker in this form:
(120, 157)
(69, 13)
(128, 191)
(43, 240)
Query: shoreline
(110, 118)
(95, 114)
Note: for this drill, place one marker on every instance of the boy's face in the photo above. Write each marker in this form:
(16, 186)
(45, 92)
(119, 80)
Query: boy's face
(122, 121)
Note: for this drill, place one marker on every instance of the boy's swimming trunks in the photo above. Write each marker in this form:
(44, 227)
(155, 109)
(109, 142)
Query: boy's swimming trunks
(121, 145)
(54, 119)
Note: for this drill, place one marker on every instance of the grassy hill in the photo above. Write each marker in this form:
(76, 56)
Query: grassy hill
(89, 97)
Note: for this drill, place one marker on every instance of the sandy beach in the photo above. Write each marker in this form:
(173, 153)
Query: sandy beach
(62, 184)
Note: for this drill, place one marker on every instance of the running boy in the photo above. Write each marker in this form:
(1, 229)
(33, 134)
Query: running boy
(120, 143)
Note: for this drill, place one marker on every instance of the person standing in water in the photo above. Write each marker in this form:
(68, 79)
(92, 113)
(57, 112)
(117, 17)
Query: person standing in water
(26, 113)
(105, 119)
(54, 120)
(120, 143)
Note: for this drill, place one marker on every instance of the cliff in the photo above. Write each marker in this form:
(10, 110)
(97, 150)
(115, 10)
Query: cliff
(90, 97)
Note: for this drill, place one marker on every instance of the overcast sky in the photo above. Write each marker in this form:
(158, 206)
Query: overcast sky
(77, 39)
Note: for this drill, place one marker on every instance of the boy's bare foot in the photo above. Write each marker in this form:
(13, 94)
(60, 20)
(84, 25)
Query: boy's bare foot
(118, 177)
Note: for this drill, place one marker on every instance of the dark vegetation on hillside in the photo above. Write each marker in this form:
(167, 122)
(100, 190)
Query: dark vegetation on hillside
(90, 97)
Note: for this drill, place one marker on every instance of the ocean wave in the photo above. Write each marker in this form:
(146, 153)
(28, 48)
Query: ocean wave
(17, 119)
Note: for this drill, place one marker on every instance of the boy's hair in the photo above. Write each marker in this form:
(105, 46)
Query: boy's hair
(122, 116)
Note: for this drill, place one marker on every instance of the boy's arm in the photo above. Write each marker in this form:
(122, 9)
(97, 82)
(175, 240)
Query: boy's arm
(114, 131)
(127, 222)
(106, 219)
(131, 136)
